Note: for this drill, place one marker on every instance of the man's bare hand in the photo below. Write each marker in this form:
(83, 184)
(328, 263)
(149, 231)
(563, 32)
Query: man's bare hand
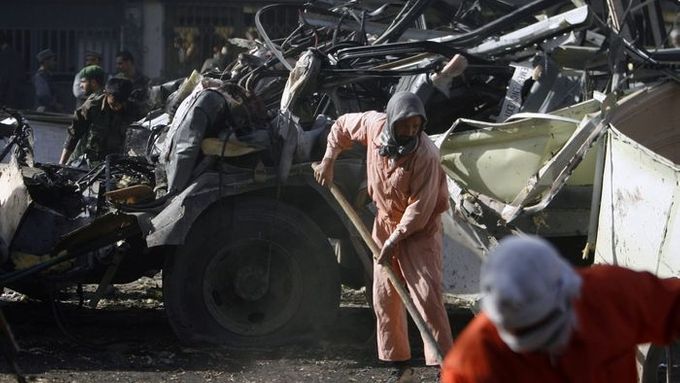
(387, 251)
(323, 172)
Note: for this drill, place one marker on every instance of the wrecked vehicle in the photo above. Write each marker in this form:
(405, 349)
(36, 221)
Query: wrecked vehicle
(218, 191)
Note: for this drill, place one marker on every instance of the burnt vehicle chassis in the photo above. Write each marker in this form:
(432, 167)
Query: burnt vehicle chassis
(247, 260)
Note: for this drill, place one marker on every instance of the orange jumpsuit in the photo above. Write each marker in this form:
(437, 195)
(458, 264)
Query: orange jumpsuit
(410, 193)
(617, 310)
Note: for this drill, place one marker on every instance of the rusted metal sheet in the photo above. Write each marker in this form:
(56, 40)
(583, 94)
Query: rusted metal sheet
(649, 117)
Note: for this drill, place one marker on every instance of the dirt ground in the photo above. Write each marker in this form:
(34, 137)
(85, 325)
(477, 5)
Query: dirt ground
(128, 339)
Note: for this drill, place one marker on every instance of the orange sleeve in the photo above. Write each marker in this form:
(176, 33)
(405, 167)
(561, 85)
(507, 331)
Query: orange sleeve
(450, 375)
(474, 357)
(352, 127)
(647, 307)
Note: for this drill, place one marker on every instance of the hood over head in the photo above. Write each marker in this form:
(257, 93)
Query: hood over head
(402, 105)
(528, 289)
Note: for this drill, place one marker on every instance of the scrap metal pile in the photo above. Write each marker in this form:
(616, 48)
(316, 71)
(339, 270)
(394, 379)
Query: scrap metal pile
(524, 56)
(536, 56)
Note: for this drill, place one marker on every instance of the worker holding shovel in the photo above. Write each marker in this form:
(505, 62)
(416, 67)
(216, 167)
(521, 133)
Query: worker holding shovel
(408, 186)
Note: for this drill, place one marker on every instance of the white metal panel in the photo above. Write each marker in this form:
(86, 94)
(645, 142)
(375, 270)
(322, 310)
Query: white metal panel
(537, 31)
(465, 247)
(462, 257)
(638, 215)
(14, 201)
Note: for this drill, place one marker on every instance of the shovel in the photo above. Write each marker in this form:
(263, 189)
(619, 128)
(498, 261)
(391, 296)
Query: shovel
(424, 329)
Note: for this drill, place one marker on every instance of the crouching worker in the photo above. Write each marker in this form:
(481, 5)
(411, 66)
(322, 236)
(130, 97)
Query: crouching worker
(543, 321)
(408, 186)
(99, 126)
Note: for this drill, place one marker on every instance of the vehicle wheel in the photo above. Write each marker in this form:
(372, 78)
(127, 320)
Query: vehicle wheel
(251, 272)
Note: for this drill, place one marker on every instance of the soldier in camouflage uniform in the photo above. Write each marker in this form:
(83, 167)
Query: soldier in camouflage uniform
(91, 81)
(91, 59)
(99, 126)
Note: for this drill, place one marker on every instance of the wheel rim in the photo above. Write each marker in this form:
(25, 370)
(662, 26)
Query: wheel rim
(241, 298)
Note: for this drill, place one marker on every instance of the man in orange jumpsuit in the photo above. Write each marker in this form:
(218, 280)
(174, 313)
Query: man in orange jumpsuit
(408, 186)
(543, 321)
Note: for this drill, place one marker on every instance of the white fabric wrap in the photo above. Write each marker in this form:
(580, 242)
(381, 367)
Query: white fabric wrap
(525, 282)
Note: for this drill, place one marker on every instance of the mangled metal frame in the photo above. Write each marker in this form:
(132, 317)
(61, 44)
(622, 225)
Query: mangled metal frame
(540, 188)
(492, 214)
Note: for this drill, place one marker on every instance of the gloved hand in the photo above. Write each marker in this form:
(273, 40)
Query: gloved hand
(387, 250)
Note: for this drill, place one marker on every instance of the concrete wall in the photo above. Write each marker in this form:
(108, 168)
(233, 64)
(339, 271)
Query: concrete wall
(147, 28)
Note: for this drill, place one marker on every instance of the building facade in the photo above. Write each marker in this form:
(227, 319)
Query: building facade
(168, 38)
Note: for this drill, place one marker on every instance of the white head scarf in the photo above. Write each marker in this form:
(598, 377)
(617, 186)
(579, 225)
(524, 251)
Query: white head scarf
(528, 291)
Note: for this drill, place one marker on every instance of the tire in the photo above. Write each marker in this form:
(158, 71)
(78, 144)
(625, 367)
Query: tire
(216, 287)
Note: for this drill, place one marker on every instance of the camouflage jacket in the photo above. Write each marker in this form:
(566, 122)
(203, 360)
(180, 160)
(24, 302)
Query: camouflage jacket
(97, 130)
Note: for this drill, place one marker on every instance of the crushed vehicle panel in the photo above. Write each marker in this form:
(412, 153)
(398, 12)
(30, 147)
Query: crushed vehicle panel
(636, 226)
(477, 184)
